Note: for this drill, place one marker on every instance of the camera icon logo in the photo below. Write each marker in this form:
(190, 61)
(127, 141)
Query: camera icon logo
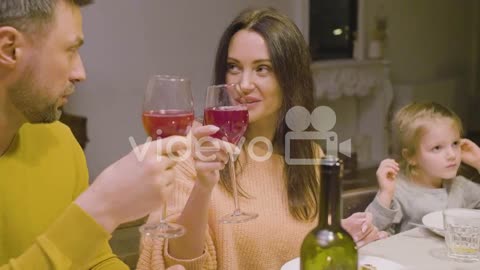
(323, 119)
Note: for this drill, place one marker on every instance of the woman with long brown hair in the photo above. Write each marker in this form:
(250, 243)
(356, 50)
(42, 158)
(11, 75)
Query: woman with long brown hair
(265, 54)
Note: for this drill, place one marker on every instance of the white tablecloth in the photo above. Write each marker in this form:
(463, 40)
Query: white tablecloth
(417, 249)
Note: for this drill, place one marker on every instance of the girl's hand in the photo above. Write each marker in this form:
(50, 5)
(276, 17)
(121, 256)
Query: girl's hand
(386, 175)
(470, 153)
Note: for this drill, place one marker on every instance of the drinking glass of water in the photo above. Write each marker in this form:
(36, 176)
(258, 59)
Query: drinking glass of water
(462, 234)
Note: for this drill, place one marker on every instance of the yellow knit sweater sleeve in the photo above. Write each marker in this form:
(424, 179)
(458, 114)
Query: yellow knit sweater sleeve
(41, 174)
(70, 240)
(104, 259)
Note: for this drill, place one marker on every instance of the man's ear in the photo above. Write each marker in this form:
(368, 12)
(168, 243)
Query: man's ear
(11, 41)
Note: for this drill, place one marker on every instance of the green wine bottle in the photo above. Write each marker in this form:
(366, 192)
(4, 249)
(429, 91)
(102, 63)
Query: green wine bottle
(329, 246)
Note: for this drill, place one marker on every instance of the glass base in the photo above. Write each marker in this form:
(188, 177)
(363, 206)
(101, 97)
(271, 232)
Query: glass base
(238, 217)
(162, 230)
(464, 258)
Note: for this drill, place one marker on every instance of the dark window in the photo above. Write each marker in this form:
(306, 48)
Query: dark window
(332, 26)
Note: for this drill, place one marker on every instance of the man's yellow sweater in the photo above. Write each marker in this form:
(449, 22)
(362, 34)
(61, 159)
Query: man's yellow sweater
(42, 172)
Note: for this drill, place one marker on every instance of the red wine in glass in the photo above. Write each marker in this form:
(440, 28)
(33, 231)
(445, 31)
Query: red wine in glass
(167, 111)
(232, 121)
(165, 123)
(223, 110)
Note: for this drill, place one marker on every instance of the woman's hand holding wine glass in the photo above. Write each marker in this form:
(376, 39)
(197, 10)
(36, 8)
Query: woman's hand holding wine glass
(210, 155)
(224, 109)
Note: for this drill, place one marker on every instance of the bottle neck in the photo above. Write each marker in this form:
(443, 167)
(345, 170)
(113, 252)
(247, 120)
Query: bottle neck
(330, 204)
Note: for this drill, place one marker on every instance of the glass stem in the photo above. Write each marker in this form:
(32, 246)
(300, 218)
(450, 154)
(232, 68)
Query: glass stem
(163, 213)
(234, 184)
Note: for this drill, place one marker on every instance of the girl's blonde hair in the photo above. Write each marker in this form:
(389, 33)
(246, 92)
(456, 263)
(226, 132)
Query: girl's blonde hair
(409, 125)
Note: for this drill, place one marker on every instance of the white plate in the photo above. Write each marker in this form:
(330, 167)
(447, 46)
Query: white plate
(292, 265)
(434, 221)
(379, 263)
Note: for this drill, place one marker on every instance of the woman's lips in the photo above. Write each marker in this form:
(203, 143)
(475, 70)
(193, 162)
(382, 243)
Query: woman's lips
(247, 100)
(251, 104)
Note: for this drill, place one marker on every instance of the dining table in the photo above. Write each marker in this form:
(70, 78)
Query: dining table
(416, 249)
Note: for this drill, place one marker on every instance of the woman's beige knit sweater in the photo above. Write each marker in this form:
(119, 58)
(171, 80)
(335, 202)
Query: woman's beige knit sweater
(265, 243)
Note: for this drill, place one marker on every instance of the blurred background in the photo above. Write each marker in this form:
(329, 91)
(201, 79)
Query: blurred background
(400, 51)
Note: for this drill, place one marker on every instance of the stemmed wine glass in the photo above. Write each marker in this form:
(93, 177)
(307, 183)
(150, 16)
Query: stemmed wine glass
(167, 111)
(223, 109)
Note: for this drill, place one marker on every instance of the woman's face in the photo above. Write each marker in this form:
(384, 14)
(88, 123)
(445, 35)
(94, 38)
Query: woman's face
(249, 65)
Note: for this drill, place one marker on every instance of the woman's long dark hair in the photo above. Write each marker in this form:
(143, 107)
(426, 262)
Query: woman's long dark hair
(291, 64)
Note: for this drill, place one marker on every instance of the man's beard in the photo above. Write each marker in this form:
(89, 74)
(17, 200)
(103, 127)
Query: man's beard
(24, 95)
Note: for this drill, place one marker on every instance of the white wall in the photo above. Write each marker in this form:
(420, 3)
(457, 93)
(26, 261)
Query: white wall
(126, 41)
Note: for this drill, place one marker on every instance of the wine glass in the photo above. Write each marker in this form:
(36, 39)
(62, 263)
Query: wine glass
(167, 111)
(224, 110)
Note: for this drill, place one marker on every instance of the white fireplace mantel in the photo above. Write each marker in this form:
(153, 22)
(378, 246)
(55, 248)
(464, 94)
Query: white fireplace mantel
(367, 87)
(337, 78)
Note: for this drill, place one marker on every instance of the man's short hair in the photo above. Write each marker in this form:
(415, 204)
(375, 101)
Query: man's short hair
(31, 16)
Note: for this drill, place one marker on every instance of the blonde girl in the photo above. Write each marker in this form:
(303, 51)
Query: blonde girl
(428, 136)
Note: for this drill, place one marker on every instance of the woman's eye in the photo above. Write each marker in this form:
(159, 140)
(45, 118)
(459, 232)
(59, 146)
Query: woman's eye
(232, 68)
(263, 69)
